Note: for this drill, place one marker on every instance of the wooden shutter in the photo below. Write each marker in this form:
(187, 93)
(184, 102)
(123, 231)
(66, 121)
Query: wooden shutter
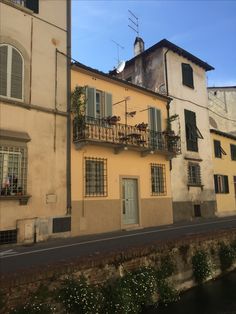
(233, 151)
(33, 5)
(3, 70)
(190, 129)
(16, 75)
(91, 97)
(217, 149)
(216, 183)
(108, 104)
(187, 75)
(226, 184)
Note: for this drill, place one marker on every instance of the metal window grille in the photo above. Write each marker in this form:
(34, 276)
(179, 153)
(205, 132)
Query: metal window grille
(158, 179)
(8, 236)
(95, 176)
(194, 174)
(13, 170)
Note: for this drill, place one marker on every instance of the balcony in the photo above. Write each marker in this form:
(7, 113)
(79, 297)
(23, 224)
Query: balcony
(88, 130)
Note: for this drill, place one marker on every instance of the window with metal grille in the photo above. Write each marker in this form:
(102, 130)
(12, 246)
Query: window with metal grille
(187, 75)
(218, 149)
(8, 236)
(158, 179)
(192, 131)
(11, 72)
(221, 183)
(233, 151)
(95, 177)
(13, 170)
(194, 174)
(30, 4)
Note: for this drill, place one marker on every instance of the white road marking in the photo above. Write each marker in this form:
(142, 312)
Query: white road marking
(8, 252)
(117, 237)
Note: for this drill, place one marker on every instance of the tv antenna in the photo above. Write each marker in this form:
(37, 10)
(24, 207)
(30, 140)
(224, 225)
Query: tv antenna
(118, 46)
(134, 23)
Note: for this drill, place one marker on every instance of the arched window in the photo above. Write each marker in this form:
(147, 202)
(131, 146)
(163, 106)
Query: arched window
(11, 72)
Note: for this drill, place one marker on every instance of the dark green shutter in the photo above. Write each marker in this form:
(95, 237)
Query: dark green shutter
(233, 151)
(217, 149)
(90, 107)
(190, 129)
(226, 184)
(216, 183)
(16, 75)
(33, 5)
(108, 104)
(3, 70)
(187, 75)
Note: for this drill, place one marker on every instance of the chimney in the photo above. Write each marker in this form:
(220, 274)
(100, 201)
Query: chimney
(138, 46)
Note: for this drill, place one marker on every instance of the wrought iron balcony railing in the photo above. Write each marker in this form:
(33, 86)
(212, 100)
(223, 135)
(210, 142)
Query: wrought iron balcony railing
(91, 130)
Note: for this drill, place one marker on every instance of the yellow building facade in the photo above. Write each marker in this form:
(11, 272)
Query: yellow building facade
(224, 163)
(33, 120)
(120, 157)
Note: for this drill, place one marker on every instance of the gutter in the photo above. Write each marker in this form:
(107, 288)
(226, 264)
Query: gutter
(166, 72)
(68, 141)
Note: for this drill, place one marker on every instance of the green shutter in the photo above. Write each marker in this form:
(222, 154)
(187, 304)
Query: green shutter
(216, 183)
(16, 75)
(108, 104)
(187, 75)
(32, 5)
(226, 184)
(91, 97)
(3, 70)
(217, 149)
(233, 151)
(190, 129)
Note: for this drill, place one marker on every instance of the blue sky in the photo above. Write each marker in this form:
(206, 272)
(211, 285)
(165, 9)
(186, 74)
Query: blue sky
(206, 29)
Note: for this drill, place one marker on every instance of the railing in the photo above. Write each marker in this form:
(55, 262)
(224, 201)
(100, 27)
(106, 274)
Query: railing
(88, 129)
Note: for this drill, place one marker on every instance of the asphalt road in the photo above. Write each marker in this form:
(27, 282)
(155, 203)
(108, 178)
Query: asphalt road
(19, 258)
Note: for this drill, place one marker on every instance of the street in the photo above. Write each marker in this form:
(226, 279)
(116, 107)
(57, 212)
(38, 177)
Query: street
(17, 258)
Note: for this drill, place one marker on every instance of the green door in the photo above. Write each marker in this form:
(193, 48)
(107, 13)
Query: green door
(130, 201)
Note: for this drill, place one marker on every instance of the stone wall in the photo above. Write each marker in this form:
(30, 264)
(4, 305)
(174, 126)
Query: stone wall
(102, 267)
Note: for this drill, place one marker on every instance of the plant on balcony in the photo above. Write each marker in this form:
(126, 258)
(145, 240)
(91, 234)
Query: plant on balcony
(113, 119)
(141, 126)
(78, 101)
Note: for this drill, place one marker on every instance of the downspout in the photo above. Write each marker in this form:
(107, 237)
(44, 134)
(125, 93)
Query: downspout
(68, 142)
(166, 72)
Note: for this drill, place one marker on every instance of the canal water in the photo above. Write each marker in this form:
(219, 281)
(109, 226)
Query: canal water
(215, 297)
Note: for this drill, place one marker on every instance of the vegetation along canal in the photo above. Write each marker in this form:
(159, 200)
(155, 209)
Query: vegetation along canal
(215, 297)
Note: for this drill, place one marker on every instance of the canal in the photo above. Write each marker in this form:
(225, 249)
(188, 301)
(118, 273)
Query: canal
(215, 297)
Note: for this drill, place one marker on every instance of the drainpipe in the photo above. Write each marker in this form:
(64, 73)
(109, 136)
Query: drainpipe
(166, 72)
(68, 141)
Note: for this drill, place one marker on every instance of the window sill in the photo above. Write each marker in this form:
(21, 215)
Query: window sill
(195, 185)
(23, 199)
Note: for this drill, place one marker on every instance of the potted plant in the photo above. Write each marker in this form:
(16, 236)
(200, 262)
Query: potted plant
(113, 119)
(142, 126)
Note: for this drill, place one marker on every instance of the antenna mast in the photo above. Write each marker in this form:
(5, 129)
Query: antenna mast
(118, 46)
(135, 24)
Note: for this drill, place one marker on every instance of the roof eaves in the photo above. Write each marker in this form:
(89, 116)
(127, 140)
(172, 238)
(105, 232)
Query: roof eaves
(228, 135)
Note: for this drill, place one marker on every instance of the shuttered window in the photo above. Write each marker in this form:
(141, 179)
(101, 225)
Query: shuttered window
(187, 75)
(155, 128)
(218, 150)
(11, 72)
(32, 5)
(194, 174)
(233, 151)
(99, 104)
(221, 183)
(192, 131)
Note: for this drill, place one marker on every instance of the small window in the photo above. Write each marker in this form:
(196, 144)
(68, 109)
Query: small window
(187, 75)
(192, 131)
(29, 4)
(218, 149)
(221, 183)
(95, 177)
(158, 179)
(233, 151)
(13, 170)
(194, 174)
(11, 72)
(197, 210)
(8, 236)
